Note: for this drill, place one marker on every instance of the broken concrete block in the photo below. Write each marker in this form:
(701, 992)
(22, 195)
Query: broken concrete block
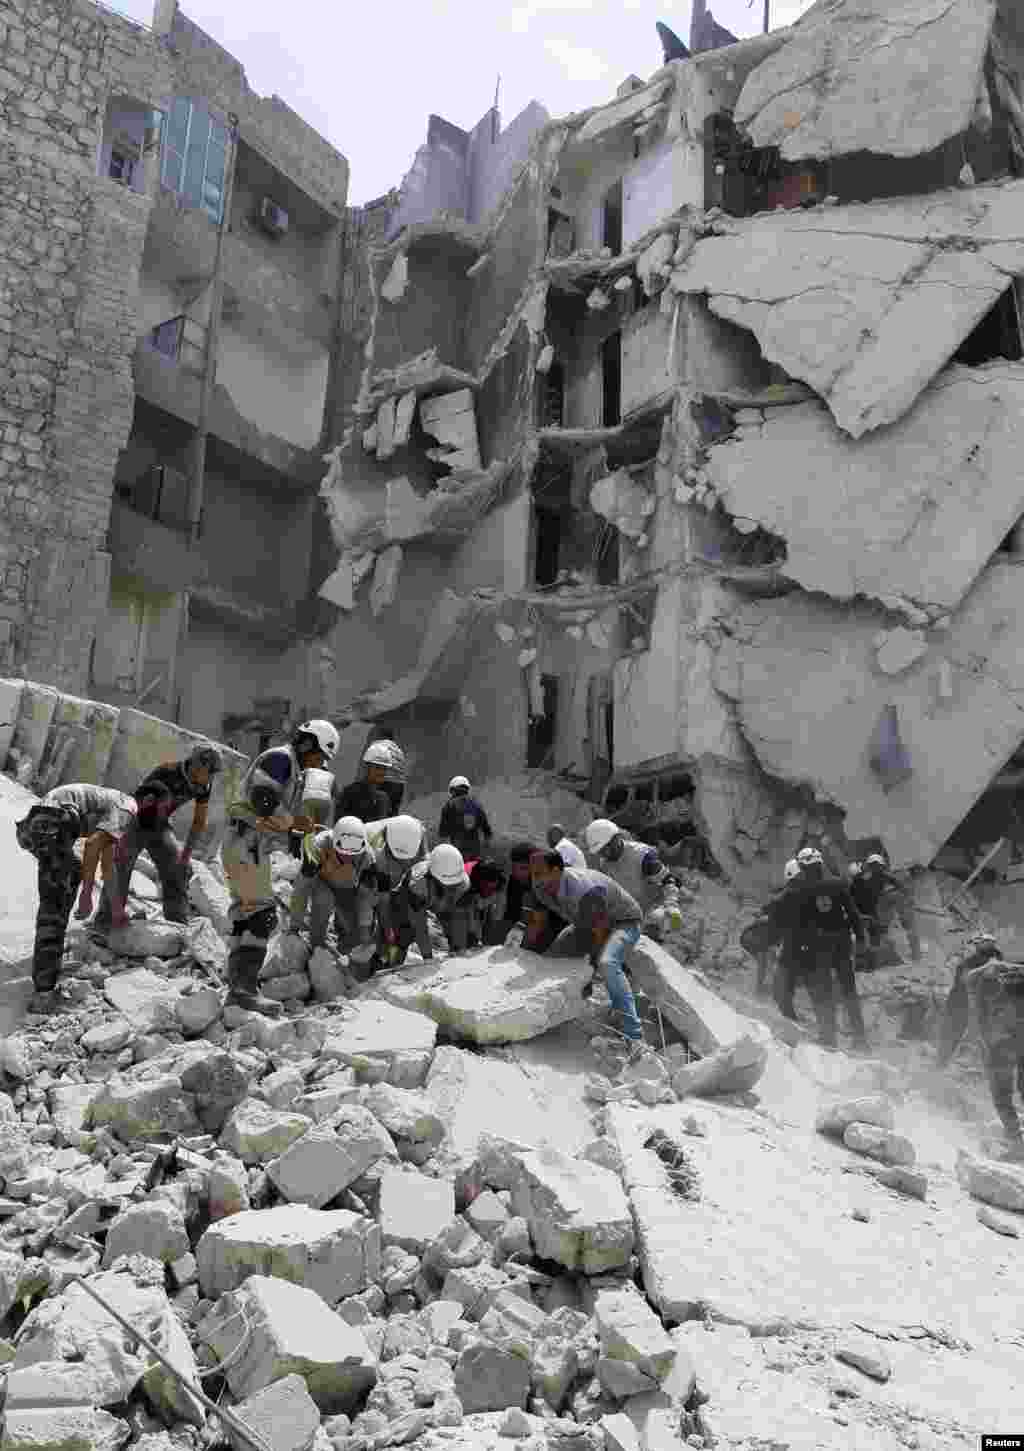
(653, 263)
(1001, 1185)
(406, 1115)
(144, 1110)
(735, 1069)
(282, 1088)
(334, 1252)
(167, 1396)
(218, 1084)
(879, 1144)
(393, 287)
(545, 358)
(505, 633)
(405, 410)
(227, 1187)
(897, 1176)
(475, 1288)
(488, 1215)
(370, 439)
(378, 1030)
(283, 1415)
(835, 1118)
(598, 300)
(406, 513)
(414, 1210)
(256, 1133)
(145, 939)
(385, 579)
(153, 1228)
(287, 954)
(296, 987)
(197, 1011)
(490, 1379)
(864, 1353)
(514, 1324)
(451, 419)
(69, 1428)
(577, 1212)
(495, 995)
(107, 1037)
(621, 1380)
(900, 649)
(327, 1160)
(145, 1000)
(995, 1222)
(325, 975)
(630, 1331)
(386, 429)
(623, 502)
(268, 1329)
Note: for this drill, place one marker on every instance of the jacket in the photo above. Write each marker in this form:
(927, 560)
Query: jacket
(464, 823)
(642, 873)
(425, 892)
(360, 799)
(246, 854)
(584, 895)
(809, 908)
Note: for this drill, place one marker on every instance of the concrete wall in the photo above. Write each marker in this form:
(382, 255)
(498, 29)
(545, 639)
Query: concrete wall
(495, 554)
(515, 250)
(257, 540)
(137, 641)
(67, 739)
(659, 182)
(438, 180)
(275, 380)
(494, 161)
(649, 358)
(224, 673)
(430, 313)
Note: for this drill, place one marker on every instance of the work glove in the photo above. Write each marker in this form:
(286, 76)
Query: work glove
(674, 918)
(516, 937)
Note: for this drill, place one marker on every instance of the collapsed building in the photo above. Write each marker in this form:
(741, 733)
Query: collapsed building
(681, 459)
(669, 446)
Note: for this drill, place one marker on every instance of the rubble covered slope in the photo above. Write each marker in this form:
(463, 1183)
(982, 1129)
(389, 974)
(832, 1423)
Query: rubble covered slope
(354, 1227)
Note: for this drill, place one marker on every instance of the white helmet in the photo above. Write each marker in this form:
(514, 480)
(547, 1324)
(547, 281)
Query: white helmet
(349, 836)
(599, 833)
(458, 781)
(323, 733)
(404, 837)
(446, 865)
(874, 858)
(377, 755)
(810, 856)
(791, 869)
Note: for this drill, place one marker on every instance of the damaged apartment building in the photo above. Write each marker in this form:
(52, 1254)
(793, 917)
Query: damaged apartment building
(683, 442)
(169, 338)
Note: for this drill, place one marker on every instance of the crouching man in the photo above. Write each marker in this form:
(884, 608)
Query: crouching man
(604, 921)
(441, 885)
(256, 828)
(49, 832)
(338, 875)
(640, 872)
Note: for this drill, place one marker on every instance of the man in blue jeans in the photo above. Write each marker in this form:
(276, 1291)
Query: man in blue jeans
(604, 922)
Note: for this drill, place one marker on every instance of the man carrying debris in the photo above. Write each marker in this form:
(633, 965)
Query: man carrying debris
(164, 791)
(640, 871)
(441, 885)
(487, 903)
(558, 840)
(881, 897)
(821, 915)
(604, 922)
(771, 946)
(464, 821)
(980, 947)
(49, 832)
(313, 744)
(257, 827)
(396, 772)
(338, 875)
(398, 843)
(366, 798)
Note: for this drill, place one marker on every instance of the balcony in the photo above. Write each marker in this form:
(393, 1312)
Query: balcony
(153, 552)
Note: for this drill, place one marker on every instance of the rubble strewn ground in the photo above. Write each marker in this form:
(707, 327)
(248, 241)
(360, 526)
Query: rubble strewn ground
(358, 1228)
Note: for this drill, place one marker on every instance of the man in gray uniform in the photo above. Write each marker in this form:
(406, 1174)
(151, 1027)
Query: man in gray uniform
(637, 868)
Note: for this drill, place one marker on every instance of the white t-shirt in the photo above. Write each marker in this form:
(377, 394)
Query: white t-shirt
(570, 853)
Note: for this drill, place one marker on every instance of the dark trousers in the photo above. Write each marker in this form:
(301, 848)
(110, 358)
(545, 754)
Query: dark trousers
(397, 914)
(59, 880)
(162, 848)
(394, 791)
(825, 964)
(1004, 1062)
(248, 949)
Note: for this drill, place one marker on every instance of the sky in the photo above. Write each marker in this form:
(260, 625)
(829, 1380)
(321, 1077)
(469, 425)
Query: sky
(367, 80)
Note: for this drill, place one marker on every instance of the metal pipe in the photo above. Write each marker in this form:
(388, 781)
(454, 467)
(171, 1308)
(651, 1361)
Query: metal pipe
(977, 871)
(227, 1417)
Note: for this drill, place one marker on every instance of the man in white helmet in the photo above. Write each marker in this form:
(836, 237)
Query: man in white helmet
(464, 821)
(440, 884)
(339, 875)
(881, 899)
(560, 841)
(366, 797)
(257, 826)
(980, 947)
(397, 771)
(313, 745)
(398, 843)
(821, 917)
(638, 869)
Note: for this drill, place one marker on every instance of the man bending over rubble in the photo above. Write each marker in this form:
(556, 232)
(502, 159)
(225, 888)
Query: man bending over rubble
(604, 922)
(338, 875)
(257, 826)
(639, 871)
(49, 832)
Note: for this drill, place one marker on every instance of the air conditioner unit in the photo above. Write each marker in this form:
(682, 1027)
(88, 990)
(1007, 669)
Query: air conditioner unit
(273, 219)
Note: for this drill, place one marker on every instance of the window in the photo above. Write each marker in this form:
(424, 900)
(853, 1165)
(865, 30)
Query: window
(549, 544)
(553, 397)
(121, 167)
(541, 730)
(195, 158)
(611, 374)
(612, 220)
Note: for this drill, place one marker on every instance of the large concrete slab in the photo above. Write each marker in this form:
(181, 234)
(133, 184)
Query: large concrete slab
(772, 1234)
(866, 302)
(375, 1029)
(897, 77)
(878, 517)
(705, 1021)
(494, 996)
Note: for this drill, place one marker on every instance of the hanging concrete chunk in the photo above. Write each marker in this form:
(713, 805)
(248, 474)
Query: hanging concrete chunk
(451, 419)
(623, 502)
(577, 1212)
(406, 512)
(865, 303)
(879, 517)
(385, 579)
(405, 409)
(653, 263)
(900, 649)
(897, 77)
(386, 429)
(394, 285)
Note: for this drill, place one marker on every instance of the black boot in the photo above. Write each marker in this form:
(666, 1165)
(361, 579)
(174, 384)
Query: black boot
(244, 984)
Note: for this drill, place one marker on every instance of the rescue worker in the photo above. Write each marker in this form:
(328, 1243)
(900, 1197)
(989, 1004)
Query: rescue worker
(398, 843)
(464, 821)
(314, 743)
(558, 840)
(396, 772)
(257, 826)
(49, 831)
(820, 914)
(366, 798)
(880, 896)
(440, 884)
(159, 795)
(998, 991)
(540, 929)
(338, 875)
(979, 948)
(763, 939)
(487, 903)
(640, 871)
(604, 922)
